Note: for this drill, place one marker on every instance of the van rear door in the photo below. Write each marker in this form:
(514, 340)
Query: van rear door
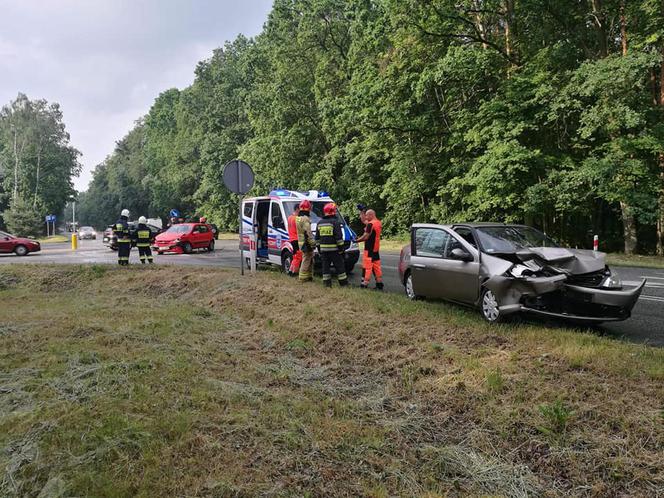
(248, 222)
(277, 233)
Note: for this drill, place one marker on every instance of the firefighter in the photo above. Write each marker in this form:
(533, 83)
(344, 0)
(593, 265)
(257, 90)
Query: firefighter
(371, 257)
(143, 238)
(121, 232)
(305, 241)
(330, 241)
(292, 236)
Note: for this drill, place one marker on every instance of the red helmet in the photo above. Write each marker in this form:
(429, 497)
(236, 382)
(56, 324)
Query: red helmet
(330, 209)
(305, 205)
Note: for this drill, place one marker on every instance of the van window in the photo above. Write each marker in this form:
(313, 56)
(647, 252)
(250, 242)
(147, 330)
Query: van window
(248, 210)
(277, 220)
(316, 210)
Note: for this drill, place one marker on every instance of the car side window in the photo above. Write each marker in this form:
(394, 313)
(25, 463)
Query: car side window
(248, 210)
(202, 228)
(453, 243)
(467, 235)
(431, 242)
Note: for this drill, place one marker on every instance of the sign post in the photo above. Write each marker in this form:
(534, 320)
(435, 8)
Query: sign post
(239, 179)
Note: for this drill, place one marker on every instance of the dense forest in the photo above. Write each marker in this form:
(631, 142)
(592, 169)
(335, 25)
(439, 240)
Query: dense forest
(548, 112)
(37, 164)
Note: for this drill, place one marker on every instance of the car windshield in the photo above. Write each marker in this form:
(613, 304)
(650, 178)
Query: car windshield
(5, 234)
(179, 229)
(316, 212)
(510, 239)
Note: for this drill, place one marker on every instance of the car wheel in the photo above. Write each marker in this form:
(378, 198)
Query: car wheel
(286, 260)
(186, 247)
(21, 250)
(408, 287)
(211, 246)
(489, 307)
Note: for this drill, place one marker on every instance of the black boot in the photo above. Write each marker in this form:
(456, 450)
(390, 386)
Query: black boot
(343, 282)
(327, 283)
(379, 286)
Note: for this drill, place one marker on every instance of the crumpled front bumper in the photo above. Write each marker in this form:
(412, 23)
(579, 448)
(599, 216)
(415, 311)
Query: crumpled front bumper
(555, 298)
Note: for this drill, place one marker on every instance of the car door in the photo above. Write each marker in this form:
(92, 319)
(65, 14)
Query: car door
(248, 222)
(200, 236)
(461, 277)
(429, 247)
(277, 234)
(436, 272)
(6, 244)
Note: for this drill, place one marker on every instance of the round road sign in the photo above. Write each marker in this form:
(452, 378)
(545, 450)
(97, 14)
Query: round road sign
(238, 177)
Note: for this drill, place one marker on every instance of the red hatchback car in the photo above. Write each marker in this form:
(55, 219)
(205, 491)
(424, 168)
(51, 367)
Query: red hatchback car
(184, 238)
(18, 245)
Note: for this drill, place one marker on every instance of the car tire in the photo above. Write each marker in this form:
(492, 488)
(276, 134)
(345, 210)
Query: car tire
(210, 247)
(286, 260)
(489, 307)
(21, 250)
(187, 248)
(409, 289)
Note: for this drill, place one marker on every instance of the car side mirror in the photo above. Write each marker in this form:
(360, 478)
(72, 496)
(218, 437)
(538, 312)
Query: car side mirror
(461, 255)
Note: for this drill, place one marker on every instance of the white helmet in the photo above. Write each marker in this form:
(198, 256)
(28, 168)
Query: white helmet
(143, 220)
(125, 212)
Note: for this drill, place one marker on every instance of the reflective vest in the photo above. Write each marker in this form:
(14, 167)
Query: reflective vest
(292, 227)
(121, 230)
(143, 236)
(372, 244)
(329, 235)
(305, 239)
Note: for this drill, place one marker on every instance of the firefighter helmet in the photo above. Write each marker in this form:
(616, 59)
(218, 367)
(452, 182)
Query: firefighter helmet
(330, 209)
(143, 220)
(125, 212)
(305, 205)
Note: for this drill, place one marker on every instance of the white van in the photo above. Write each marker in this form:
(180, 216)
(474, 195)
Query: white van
(267, 218)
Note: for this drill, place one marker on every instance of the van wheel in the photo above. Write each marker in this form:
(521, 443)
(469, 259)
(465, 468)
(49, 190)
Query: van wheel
(186, 247)
(490, 308)
(21, 250)
(286, 260)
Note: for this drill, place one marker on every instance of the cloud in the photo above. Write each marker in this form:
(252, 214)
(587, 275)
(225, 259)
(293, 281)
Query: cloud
(105, 61)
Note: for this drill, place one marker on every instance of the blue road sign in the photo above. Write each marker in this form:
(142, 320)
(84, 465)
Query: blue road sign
(174, 213)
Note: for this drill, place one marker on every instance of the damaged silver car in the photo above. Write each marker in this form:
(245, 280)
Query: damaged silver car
(504, 269)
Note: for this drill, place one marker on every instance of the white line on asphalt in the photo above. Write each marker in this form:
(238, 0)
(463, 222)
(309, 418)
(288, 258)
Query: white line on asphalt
(648, 276)
(648, 284)
(652, 298)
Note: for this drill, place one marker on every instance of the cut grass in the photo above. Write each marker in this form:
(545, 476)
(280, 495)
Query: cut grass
(53, 239)
(619, 259)
(173, 382)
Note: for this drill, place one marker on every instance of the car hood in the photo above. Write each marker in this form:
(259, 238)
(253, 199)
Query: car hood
(576, 261)
(168, 237)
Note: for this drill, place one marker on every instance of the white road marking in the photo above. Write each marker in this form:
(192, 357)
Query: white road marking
(652, 298)
(648, 276)
(648, 284)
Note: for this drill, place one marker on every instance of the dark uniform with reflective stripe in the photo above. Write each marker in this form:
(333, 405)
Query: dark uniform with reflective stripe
(143, 237)
(330, 240)
(121, 231)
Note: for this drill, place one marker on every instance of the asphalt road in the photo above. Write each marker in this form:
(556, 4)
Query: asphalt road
(645, 326)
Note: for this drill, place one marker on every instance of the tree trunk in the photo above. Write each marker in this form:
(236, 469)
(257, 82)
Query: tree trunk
(599, 22)
(623, 28)
(481, 27)
(510, 32)
(629, 228)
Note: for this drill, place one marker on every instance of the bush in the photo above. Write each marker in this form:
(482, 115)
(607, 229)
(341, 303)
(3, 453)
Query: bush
(23, 219)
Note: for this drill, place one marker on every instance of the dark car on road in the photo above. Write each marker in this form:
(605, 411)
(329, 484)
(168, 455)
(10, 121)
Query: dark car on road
(111, 240)
(504, 269)
(18, 245)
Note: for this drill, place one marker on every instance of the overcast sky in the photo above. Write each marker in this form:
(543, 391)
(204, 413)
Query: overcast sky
(105, 61)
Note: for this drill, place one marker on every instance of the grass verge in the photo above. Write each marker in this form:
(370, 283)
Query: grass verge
(619, 259)
(170, 382)
(55, 238)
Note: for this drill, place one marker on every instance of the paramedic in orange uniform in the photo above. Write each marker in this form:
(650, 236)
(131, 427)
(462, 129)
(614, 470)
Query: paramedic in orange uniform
(371, 257)
(292, 237)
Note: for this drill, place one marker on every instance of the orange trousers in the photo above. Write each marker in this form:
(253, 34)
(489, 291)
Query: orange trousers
(371, 266)
(296, 262)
